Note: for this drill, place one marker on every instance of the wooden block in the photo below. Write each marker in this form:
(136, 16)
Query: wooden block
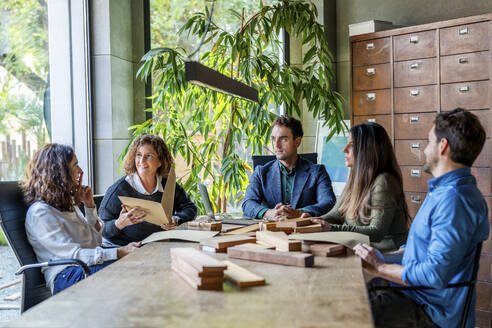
(292, 223)
(208, 226)
(323, 249)
(212, 249)
(193, 283)
(230, 227)
(191, 271)
(309, 228)
(199, 260)
(280, 240)
(10, 283)
(267, 225)
(271, 256)
(258, 246)
(287, 230)
(241, 276)
(13, 297)
(223, 242)
(265, 245)
(244, 230)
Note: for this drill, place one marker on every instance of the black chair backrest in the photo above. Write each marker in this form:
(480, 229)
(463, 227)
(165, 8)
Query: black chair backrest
(12, 217)
(263, 159)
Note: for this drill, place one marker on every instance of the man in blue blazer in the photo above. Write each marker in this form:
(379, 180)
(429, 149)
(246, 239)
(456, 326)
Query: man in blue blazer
(290, 186)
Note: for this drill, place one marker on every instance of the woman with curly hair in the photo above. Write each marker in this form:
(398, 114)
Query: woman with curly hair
(147, 165)
(372, 202)
(55, 226)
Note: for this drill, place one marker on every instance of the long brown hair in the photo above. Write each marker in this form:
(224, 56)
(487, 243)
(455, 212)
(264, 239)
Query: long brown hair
(373, 155)
(48, 177)
(160, 147)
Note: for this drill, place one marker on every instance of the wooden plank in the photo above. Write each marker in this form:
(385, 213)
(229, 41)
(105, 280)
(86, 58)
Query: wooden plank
(212, 249)
(223, 242)
(13, 297)
(241, 276)
(292, 223)
(309, 229)
(199, 260)
(245, 230)
(279, 240)
(258, 246)
(193, 283)
(349, 239)
(208, 226)
(287, 230)
(324, 249)
(230, 227)
(271, 256)
(9, 307)
(190, 270)
(10, 283)
(267, 225)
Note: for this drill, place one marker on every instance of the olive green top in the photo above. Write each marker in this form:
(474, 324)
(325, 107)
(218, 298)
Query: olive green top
(387, 228)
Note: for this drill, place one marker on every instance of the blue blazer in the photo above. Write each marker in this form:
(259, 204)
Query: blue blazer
(311, 191)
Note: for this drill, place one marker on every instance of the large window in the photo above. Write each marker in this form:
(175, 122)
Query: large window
(24, 83)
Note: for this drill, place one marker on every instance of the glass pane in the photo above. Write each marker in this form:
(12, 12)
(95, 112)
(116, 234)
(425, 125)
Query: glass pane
(24, 84)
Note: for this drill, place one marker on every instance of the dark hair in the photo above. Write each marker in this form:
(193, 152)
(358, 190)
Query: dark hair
(463, 131)
(373, 155)
(48, 178)
(293, 124)
(163, 154)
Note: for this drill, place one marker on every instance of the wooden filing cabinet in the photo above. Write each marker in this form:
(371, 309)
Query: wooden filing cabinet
(402, 78)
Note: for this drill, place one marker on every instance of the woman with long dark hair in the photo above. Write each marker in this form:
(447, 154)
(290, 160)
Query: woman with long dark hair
(373, 202)
(55, 226)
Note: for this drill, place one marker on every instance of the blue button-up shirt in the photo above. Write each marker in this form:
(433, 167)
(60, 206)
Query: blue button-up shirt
(441, 245)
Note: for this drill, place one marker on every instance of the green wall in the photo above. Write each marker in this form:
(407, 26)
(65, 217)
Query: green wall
(400, 12)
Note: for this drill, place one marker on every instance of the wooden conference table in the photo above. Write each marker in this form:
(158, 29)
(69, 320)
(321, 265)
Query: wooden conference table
(141, 290)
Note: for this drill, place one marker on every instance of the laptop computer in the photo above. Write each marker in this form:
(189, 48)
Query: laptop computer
(224, 218)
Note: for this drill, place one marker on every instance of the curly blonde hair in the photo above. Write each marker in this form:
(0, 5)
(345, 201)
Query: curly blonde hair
(160, 148)
(48, 178)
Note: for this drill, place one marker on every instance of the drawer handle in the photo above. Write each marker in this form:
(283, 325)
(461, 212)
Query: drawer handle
(464, 89)
(415, 173)
(414, 39)
(414, 66)
(416, 199)
(369, 46)
(370, 71)
(464, 60)
(415, 146)
(414, 119)
(414, 93)
(371, 96)
(463, 31)
(372, 120)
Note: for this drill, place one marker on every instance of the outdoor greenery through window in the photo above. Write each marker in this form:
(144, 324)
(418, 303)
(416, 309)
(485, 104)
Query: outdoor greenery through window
(24, 83)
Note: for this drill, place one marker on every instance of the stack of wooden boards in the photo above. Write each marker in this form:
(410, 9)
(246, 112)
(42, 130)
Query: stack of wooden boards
(299, 225)
(201, 271)
(221, 243)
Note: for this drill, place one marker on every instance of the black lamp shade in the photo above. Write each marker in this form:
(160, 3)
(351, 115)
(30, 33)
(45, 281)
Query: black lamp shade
(203, 76)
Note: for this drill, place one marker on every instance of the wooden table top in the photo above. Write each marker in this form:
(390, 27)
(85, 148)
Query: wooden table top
(141, 290)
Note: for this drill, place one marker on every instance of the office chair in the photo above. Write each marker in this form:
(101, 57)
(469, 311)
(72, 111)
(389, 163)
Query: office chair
(12, 218)
(263, 159)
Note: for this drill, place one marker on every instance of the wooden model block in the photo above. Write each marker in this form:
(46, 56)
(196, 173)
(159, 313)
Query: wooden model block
(258, 245)
(193, 283)
(244, 230)
(241, 276)
(267, 225)
(325, 249)
(227, 241)
(271, 256)
(279, 240)
(287, 230)
(199, 260)
(309, 228)
(209, 226)
(230, 227)
(292, 223)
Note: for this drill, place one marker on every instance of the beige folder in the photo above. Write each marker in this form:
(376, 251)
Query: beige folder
(156, 213)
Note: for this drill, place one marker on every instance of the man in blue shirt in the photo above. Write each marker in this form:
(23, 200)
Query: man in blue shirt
(289, 187)
(443, 236)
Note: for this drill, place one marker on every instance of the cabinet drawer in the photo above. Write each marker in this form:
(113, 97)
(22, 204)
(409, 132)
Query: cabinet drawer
(416, 99)
(413, 126)
(372, 102)
(468, 95)
(415, 72)
(410, 152)
(415, 45)
(465, 67)
(383, 120)
(464, 38)
(414, 179)
(414, 200)
(371, 52)
(483, 179)
(483, 159)
(372, 77)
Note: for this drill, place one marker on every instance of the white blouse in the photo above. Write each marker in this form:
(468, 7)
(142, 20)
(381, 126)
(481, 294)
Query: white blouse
(56, 235)
(134, 181)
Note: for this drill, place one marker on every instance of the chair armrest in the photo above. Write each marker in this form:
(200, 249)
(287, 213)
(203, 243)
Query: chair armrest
(54, 263)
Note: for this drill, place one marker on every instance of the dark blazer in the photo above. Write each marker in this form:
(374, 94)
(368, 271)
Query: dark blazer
(311, 190)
